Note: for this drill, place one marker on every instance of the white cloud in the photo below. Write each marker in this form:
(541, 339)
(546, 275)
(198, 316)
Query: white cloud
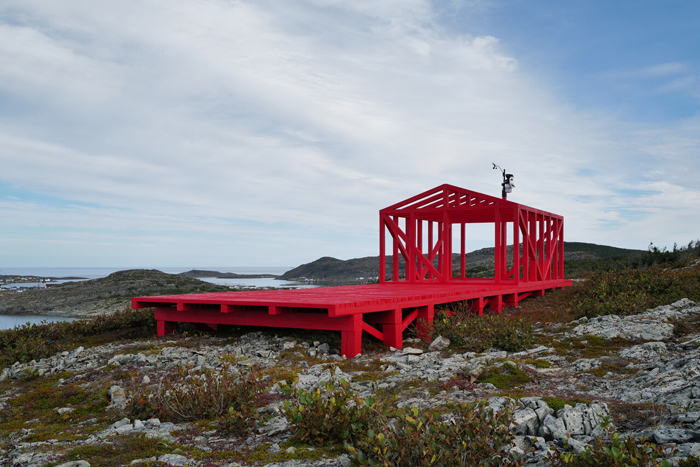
(210, 117)
(666, 69)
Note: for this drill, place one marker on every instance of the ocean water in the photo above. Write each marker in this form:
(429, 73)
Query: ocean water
(12, 321)
(96, 273)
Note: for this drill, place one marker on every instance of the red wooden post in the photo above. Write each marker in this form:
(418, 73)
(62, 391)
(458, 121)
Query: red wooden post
(548, 257)
(555, 248)
(164, 327)
(411, 248)
(462, 260)
(430, 247)
(496, 304)
(561, 251)
(533, 246)
(425, 321)
(382, 249)
(446, 250)
(516, 245)
(504, 245)
(497, 240)
(351, 339)
(540, 248)
(393, 331)
(395, 262)
(522, 222)
(419, 244)
(477, 305)
(440, 246)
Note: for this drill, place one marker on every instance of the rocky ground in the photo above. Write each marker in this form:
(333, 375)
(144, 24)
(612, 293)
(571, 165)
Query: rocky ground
(643, 371)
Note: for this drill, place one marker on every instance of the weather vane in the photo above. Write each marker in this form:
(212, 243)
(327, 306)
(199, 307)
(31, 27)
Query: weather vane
(507, 182)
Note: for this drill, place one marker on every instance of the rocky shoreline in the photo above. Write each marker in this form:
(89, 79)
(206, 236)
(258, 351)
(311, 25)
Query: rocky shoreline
(109, 294)
(647, 381)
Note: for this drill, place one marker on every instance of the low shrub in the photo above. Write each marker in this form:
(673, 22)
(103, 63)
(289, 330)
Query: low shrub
(35, 341)
(687, 325)
(462, 380)
(478, 333)
(630, 291)
(200, 395)
(476, 436)
(334, 416)
(637, 415)
(612, 452)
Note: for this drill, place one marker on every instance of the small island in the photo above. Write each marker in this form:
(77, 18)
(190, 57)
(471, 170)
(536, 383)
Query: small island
(197, 273)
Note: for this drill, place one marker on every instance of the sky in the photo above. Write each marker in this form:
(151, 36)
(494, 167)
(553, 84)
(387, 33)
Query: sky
(195, 133)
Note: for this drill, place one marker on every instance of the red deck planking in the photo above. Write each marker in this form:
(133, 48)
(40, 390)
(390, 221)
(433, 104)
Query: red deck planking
(349, 309)
(421, 233)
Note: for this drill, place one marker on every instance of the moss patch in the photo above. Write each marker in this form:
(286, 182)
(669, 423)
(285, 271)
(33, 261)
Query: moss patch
(120, 450)
(555, 403)
(590, 346)
(615, 365)
(506, 376)
(537, 363)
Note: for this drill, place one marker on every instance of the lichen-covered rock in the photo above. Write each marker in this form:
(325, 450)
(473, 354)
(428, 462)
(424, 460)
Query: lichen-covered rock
(649, 351)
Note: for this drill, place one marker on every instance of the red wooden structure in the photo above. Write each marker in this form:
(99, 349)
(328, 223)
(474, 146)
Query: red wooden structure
(421, 231)
(438, 210)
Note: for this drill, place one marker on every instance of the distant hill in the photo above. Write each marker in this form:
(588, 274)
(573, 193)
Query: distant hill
(225, 275)
(331, 270)
(599, 251)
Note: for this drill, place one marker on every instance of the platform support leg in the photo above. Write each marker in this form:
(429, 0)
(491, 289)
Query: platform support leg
(478, 305)
(538, 293)
(165, 327)
(511, 299)
(424, 324)
(393, 332)
(496, 304)
(351, 339)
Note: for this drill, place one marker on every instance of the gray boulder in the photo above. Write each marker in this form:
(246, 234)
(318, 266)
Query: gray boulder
(649, 351)
(673, 435)
(440, 343)
(552, 428)
(525, 422)
(117, 396)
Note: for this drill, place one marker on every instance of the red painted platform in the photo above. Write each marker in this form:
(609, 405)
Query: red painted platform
(382, 310)
(422, 230)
